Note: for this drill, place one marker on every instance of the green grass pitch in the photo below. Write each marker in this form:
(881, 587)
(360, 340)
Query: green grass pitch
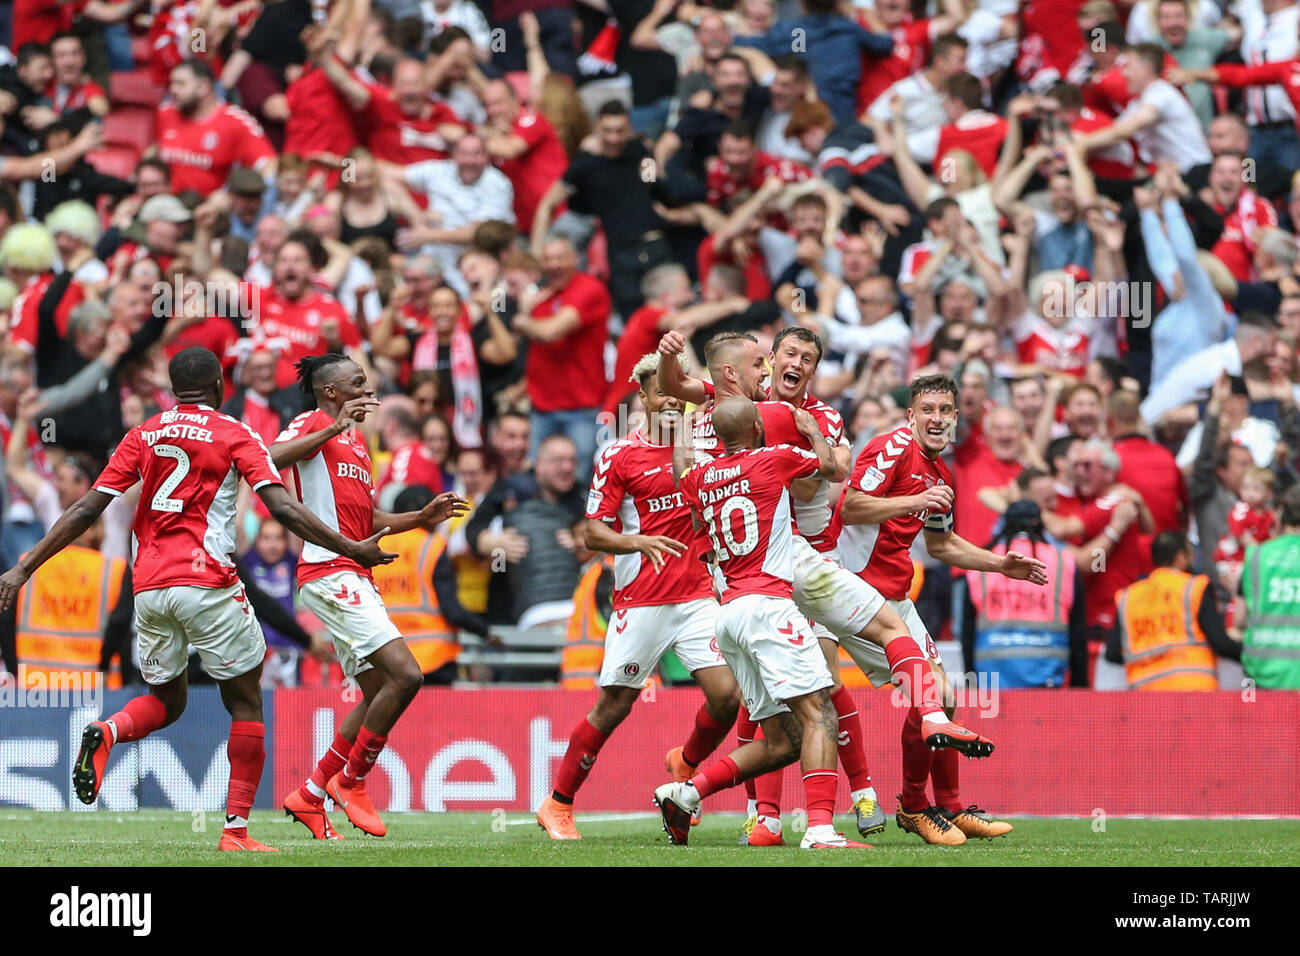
(157, 838)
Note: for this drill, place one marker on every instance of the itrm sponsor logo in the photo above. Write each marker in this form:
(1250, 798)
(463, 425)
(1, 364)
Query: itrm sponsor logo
(76, 909)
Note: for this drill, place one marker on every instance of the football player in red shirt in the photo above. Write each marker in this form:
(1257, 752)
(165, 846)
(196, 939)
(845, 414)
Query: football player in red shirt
(663, 598)
(201, 138)
(190, 460)
(331, 466)
(899, 486)
(846, 609)
(742, 500)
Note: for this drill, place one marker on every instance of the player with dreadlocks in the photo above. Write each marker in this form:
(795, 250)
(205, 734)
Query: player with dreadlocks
(331, 467)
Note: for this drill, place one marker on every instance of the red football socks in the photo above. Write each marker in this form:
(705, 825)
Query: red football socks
(917, 759)
(334, 761)
(704, 739)
(911, 671)
(767, 792)
(584, 744)
(945, 774)
(853, 757)
(139, 718)
(747, 733)
(718, 776)
(246, 751)
(819, 794)
(362, 756)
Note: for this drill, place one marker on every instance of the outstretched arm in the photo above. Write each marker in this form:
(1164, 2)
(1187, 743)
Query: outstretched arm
(446, 505)
(953, 549)
(72, 524)
(672, 380)
(302, 522)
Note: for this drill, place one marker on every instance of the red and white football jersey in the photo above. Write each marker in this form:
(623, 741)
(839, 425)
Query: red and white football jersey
(413, 464)
(633, 491)
(1235, 247)
(292, 328)
(201, 153)
(335, 484)
(893, 465)
(724, 182)
(25, 321)
(397, 138)
(812, 518)
(979, 133)
(189, 460)
(744, 502)
(1062, 350)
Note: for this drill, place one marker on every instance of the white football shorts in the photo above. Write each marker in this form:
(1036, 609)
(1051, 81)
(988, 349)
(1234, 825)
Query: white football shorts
(638, 636)
(352, 611)
(871, 657)
(833, 598)
(217, 621)
(772, 651)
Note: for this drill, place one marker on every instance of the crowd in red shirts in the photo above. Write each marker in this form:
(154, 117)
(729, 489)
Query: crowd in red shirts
(1084, 212)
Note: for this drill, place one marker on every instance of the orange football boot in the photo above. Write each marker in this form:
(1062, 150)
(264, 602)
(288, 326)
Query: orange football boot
(311, 815)
(88, 771)
(355, 802)
(556, 819)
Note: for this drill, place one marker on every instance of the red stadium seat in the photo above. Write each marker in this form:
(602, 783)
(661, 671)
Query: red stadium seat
(135, 88)
(119, 161)
(598, 256)
(141, 48)
(129, 126)
(518, 81)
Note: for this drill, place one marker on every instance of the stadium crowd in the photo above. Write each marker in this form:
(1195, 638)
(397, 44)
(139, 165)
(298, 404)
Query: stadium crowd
(1086, 213)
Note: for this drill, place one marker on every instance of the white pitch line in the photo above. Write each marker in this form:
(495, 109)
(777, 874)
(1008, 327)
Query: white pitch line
(591, 818)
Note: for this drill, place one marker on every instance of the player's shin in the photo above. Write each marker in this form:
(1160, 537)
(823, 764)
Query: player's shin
(747, 732)
(140, 717)
(911, 672)
(852, 755)
(584, 745)
(332, 762)
(945, 775)
(917, 761)
(246, 751)
(707, 734)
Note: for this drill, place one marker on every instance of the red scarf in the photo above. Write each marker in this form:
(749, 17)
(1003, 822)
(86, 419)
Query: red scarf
(466, 385)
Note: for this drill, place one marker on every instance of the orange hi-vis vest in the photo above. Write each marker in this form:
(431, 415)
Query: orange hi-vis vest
(1163, 644)
(62, 612)
(406, 586)
(584, 647)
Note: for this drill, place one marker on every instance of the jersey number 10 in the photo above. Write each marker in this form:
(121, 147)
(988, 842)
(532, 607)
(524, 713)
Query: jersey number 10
(749, 523)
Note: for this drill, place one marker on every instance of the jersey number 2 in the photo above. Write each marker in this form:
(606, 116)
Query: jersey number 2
(161, 501)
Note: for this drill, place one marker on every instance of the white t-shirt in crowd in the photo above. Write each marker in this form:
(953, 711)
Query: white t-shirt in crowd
(1176, 135)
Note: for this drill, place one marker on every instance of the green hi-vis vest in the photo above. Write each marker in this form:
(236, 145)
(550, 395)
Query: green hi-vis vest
(1270, 650)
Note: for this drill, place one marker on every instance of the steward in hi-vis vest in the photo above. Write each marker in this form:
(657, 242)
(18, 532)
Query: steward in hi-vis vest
(584, 648)
(1270, 581)
(1168, 629)
(57, 625)
(1025, 634)
(419, 589)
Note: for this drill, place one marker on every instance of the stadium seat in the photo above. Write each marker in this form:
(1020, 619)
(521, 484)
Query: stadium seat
(141, 48)
(119, 161)
(129, 126)
(518, 81)
(135, 88)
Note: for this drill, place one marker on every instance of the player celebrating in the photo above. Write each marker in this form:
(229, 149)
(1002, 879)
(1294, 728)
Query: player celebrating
(663, 598)
(331, 466)
(843, 606)
(743, 501)
(899, 487)
(186, 590)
